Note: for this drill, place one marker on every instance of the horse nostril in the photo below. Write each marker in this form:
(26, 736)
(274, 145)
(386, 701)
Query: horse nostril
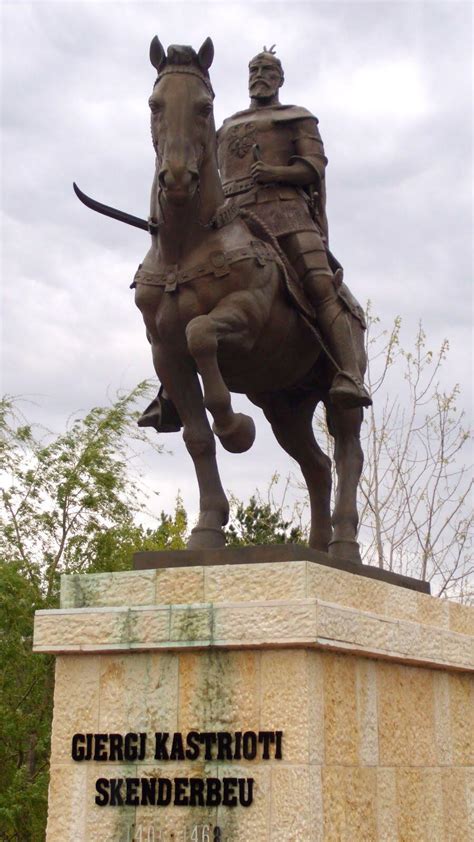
(162, 178)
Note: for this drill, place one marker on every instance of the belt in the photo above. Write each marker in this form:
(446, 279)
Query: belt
(218, 265)
(241, 185)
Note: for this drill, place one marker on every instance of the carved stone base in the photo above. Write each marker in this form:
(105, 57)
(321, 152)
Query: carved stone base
(369, 685)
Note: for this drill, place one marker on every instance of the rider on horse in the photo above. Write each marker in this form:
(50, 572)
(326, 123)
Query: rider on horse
(272, 164)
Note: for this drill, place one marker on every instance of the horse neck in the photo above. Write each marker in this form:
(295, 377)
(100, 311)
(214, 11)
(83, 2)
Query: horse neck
(183, 229)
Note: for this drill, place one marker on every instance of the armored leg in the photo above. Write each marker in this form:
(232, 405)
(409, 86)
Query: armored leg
(307, 255)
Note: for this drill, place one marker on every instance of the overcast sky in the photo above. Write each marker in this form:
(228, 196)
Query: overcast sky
(391, 85)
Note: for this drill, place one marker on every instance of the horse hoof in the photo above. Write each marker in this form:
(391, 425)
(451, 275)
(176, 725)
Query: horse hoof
(206, 538)
(239, 436)
(345, 550)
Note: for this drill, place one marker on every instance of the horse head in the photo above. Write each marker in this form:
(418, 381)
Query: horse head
(182, 120)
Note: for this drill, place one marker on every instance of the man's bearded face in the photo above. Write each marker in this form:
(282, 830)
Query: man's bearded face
(264, 79)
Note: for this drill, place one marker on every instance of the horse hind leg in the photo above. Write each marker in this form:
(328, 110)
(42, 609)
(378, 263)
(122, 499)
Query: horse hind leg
(236, 431)
(344, 425)
(291, 419)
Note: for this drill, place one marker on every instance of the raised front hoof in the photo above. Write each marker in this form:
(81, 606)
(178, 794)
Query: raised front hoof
(239, 436)
(206, 538)
(345, 550)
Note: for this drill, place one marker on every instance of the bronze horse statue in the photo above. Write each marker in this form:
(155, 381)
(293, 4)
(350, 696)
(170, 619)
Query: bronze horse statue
(215, 299)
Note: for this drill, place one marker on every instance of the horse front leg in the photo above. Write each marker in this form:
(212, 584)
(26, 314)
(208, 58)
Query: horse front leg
(236, 431)
(344, 425)
(177, 373)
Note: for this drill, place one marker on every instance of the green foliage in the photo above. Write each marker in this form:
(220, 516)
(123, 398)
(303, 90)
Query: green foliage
(68, 504)
(26, 692)
(264, 521)
(61, 493)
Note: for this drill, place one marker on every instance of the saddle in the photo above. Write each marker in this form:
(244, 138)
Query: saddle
(292, 283)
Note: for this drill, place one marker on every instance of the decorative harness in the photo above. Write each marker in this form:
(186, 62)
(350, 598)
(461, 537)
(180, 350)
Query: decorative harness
(218, 264)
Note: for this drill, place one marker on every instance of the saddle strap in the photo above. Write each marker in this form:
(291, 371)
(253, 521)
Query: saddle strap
(218, 264)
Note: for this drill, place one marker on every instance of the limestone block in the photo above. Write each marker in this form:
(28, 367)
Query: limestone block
(387, 813)
(285, 700)
(461, 618)
(455, 806)
(405, 604)
(337, 586)
(366, 687)
(361, 807)
(470, 802)
(270, 622)
(62, 628)
(76, 702)
(420, 805)
(149, 625)
(406, 716)
(219, 690)
(151, 820)
(67, 804)
(334, 805)
(349, 799)
(290, 805)
(421, 642)
(175, 585)
(316, 707)
(105, 824)
(316, 807)
(138, 693)
(250, 822)
(73, 815)
(341, 725)
(191, 624)
(442, 714)
(251, 582)
(458, 649)
(431, 611)
(136, 587)
(357, 627)
(461, 704)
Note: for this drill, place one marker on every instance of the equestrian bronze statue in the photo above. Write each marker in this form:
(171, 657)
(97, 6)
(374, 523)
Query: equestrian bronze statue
(239, 287)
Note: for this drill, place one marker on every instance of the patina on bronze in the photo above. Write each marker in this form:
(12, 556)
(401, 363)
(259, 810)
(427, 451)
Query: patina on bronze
(219, 297)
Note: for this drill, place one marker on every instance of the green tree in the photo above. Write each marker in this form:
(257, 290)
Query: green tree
(265, 521)
(68, 504)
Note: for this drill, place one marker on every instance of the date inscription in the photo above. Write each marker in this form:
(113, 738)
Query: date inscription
(153, 833)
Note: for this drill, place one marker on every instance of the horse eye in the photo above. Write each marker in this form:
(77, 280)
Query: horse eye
(155, 107)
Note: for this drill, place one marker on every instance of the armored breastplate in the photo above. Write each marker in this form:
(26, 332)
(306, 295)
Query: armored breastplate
(238, 137)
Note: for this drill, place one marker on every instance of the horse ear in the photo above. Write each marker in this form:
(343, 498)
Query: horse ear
(206, 54)
(157, 53)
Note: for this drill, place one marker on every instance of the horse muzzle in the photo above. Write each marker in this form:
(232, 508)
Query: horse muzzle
(178, 183)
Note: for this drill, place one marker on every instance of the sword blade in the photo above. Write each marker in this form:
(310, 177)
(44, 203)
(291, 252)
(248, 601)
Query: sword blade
(112, 212)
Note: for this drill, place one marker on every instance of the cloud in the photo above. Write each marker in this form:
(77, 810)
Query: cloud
(388, 82)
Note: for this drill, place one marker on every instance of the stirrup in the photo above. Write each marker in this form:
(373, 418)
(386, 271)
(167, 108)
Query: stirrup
(161, 414)
(349, 392)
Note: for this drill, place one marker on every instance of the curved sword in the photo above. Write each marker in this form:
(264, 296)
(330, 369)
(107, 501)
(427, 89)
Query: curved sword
(113, 212)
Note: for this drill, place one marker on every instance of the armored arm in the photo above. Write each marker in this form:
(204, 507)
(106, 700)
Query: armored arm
(306, 167)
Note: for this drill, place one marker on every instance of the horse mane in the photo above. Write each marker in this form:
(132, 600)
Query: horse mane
(180, 54)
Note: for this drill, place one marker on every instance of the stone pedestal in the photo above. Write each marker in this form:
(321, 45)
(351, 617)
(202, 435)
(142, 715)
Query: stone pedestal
(370, 684)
